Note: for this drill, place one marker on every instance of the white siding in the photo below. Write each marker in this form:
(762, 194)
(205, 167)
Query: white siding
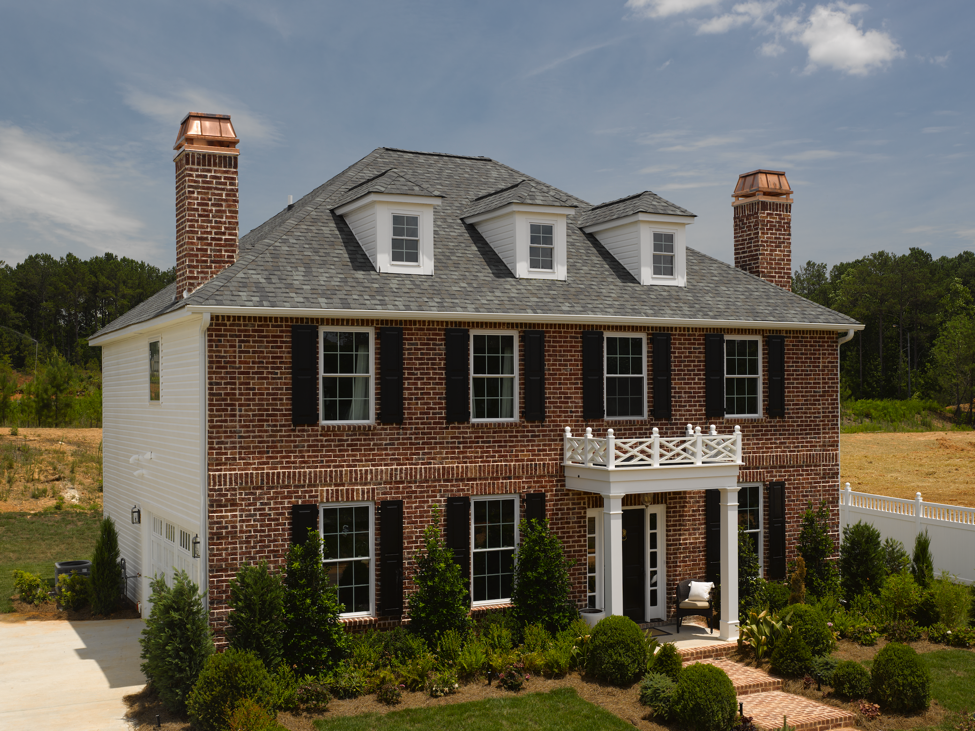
(170, 429)
(363, 225)
(623, 242)
(500, 234)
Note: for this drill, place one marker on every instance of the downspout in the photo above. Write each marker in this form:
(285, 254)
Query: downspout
(204, 468)
(839, 418)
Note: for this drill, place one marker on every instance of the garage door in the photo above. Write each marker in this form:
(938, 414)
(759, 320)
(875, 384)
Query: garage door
(172, 548)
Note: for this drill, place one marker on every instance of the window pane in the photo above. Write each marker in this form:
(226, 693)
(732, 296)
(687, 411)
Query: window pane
(154, 371)
(406, 251)
(624, 396)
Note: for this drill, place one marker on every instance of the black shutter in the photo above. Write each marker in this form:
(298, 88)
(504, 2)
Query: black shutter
(391, 375)
(304, 374)
(712, 540)
(592, 375)
(391, 557)
(534, 375)
(457, 391)
(714, 376)
(303, 519)
(776, 375)
(535, 506)
(458, 516)
(776, 530)
(661, 376)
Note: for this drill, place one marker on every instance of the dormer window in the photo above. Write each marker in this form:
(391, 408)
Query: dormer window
(663, 254)
(406, 239)
(541, 252)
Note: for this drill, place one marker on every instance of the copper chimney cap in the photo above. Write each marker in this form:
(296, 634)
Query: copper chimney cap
(763, 184)
(200, 131)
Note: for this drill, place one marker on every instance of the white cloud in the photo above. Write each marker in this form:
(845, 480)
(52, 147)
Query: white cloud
(575, 54)
(713, 141)
(966, 233)
(664, 8)
(832, 39)
(752, 12)
(722, 23)
(772, 49)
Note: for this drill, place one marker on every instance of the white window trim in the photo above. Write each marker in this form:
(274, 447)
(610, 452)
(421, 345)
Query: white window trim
(674, 233)
(418, 215)
(149, 399)
(372, 552)
(482, 498)
(515, 377)
(372, 372)
(606, 375)
(758, 378)
(553, 247)
(760, 543)
(598, 514)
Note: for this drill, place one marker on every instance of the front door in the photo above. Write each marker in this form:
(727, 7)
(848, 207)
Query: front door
(634, 564)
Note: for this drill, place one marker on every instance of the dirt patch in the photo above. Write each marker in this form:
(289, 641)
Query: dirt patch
(50, 611)
(37, 466)
(936, 464)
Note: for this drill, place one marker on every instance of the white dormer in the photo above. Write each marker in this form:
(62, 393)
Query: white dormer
(526, 227)
(644, 233)
(392, 219)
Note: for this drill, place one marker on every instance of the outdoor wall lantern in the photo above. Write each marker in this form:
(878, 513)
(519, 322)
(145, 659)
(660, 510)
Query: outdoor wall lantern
(196, 546)
(136, 515)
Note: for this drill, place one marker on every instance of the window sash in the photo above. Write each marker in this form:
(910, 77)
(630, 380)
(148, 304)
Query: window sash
(625, 369)
(593, 553)
(493, 377)
(541, 248)
(494, 533)
(347, 375)
(405, 247)
(742, 376)
(155, 380)
(348, 546)
(750, 517)
(663, 254)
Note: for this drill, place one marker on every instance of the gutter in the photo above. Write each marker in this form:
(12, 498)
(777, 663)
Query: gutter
(839, 414)
(204, 468)
(849, 335)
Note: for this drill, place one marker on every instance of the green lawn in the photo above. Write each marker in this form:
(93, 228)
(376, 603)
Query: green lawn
(35, 541)
(559, 710)
(952, 678)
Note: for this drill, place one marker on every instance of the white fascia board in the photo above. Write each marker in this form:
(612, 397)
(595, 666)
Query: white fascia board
(634, 217)
(641, 480)
(416, 200)
(156, 323)
(520, 208)
(519, 318)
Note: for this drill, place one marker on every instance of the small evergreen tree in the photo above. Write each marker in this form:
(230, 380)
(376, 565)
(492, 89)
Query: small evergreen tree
(441, 600)
(541, 579)
(861, 560)
(256, 619)
(314, 641)
(106, 573)
(922, 564)
(8, 387)
(176, 641)
(817, 549)
(797, 582)
(749, 582)
(896, 559)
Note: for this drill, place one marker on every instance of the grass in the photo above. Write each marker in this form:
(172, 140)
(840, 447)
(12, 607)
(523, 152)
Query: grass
(33, 542)
(890, 415)
(952, 678)
(558, 710)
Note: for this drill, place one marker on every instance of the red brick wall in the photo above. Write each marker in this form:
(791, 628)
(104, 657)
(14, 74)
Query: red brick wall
(763, 240)
(259, 464)
(206, 216)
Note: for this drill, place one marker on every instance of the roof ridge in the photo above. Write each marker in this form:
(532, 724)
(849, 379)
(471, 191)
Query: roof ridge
(624, 198)
(499, 191)
(482, 158)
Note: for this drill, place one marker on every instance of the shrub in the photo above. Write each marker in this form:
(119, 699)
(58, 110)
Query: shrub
(922, 564)
(812, 625)
(256, 619)
(899, 596)
(248, 715)
(817, 548)
(540, 593)
(822, 669)
(442, 683)
(797, 582)
(792, 656)
(535, 638)
(776, 596)
(389, 694)
(668, 661)
(314, 640)
(861, 560)
(106, 573)
(657, 693)
(473, 658)
(30, 587)
(902, 630)
(851, 680)
(617, 654)
(176, 640)
(398, 645)
(512, 677)
(74, 591)
(312, 695)
(348, 681)
(896, 557)
(449, 646)
(227, 679)
(749, 581)
(962, 637)
(951, 601)
(558, 658)
(704, 699)
(900, 679)
(864, 633)
(939, 633)
(417, 671)
(440, 601)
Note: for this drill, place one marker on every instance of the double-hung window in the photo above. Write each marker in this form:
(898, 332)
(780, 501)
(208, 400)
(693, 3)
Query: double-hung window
(593, 554)
(406, 239)
(625, 376)
(742, 383)
(155, 372)
(663, 254)
(541, 248)
(494, 528)
(494, 377)
(347, 375)
(347, 542)
(750, 517)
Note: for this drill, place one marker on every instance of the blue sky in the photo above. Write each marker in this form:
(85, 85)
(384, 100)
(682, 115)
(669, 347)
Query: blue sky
(867, 107)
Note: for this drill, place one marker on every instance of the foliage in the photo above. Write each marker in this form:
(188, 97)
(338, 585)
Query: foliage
(822, 669)
(902, 630)
(226, 679)
(775, 596)
(668, 661)
(922, 564)
(896, 558)
(657, 693)
(349, 681)
(899, 596)
(900, 680)
(314, 641)
(31, 588)
(74, 591)
(792, 656)
(797, 582)
(861, 560)
(761, 631)
(389, 694)
(851, 680)
(440, 601)
(864, 633)
(939, 633)
(952, 601)
(248, 715)
(749, 579)
(704, 699)
(618, 650)
(473, 658)
(441, 683)
(312, 695)
(952, 365)
(870, 711)
(817, 548)
(812, 625)
(256, 619)
(513, 677)
(106, 573)
(449, 646)
(176, 640)
(963, 637)
(540, 593)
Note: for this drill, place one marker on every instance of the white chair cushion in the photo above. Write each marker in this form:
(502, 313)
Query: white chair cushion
(694, 604)
(699, 591)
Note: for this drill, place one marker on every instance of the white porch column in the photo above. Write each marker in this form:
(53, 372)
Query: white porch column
(728, 626)
(613, 552)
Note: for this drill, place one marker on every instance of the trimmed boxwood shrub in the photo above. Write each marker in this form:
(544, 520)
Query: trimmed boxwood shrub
(668, 661)
(704, 699)
(811, 624)
(227, 679)
(657, 693)
(792, 656)
(861, 560)
(851, 680)
(617, 650)
(256, 620)
(900, 679)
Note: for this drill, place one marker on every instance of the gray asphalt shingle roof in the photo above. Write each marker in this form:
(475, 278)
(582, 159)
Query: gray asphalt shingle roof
(645, 202)
(308, 258)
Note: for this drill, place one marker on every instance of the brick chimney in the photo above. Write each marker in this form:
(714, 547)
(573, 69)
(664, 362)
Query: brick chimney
(763, 226)
(206, 199)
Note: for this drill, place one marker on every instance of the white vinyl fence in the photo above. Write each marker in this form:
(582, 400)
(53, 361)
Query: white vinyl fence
(951, 527)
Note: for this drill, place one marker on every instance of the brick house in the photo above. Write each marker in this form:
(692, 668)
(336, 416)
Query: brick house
(432, 329)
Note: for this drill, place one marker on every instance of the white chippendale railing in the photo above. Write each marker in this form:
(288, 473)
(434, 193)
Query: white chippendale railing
(694, 448)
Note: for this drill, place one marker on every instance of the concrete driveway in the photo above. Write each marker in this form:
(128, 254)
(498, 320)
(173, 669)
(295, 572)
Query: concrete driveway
(57, 675)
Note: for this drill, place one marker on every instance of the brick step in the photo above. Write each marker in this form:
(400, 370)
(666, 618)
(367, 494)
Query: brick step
(766, 710)
(747, 681)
